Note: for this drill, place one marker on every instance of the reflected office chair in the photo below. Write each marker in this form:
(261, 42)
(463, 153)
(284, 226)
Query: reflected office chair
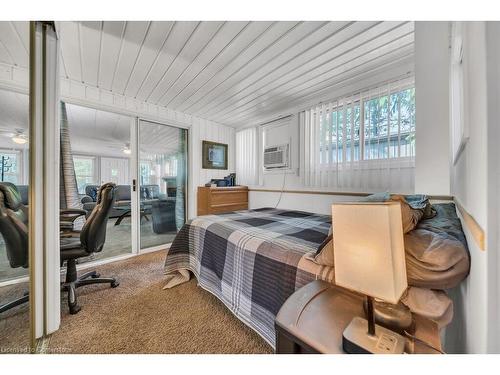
(14, 229)
(91, 240)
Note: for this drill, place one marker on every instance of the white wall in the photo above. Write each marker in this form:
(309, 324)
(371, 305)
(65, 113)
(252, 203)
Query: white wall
(432, 167)
(493, 235)
(204, 130)
(290, 131)
(476, 324)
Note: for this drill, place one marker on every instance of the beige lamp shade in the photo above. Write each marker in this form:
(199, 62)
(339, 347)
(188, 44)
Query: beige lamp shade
(369, 249)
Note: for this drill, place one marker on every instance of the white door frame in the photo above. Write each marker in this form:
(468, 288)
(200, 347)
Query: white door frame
(134, 184)
(44, 245)
(135, 146)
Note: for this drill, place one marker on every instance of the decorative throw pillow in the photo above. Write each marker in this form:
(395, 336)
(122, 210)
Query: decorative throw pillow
(325, 242)
(410, 216)
(421, 202)
(92, 192)
(411, 213)
(377, 197)
(324, 254)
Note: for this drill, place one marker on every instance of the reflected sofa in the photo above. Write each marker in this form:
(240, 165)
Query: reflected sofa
(24, 192)
(161, 207)
(148, 194)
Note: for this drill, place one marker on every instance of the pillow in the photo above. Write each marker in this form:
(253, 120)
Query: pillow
(324, 254)
(433, 304)
(409, 216)
(421, 202)
(437, 255)
(325, 242)
(92, 193)
(412, 207)
(377, 197)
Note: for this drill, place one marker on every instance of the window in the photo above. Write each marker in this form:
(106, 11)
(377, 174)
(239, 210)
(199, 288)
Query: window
(145, 172)
(347, 140)
(84, 171)
(171, 166)
(11, 166)
(387, 128)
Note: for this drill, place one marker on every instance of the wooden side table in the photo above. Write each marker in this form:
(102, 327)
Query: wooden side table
(313, 318)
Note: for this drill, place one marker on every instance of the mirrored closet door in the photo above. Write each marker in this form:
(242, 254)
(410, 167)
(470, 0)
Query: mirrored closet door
(14, 189)
(162, 182)
(95, 150)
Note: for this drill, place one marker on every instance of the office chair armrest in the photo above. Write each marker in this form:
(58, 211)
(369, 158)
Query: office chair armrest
(71, 214)
(72, 211)
(69, 234)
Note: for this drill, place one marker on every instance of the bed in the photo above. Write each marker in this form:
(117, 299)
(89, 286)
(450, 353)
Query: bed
(251, 260)
(254, 260)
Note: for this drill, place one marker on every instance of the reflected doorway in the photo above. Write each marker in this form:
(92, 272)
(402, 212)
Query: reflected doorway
(162, 181)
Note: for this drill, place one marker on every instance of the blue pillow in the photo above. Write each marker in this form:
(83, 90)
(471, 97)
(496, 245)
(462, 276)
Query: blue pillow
(92, 192)
(377, 197)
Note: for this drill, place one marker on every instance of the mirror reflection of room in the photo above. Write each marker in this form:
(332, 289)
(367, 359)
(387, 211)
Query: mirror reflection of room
(14, 192)
(14, 161)
(95, 149)
(163, 180)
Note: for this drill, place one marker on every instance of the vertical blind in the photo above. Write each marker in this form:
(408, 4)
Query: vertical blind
(364, 141)
(246, 156)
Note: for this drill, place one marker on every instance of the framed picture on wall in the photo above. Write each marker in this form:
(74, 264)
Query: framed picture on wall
(214, 155)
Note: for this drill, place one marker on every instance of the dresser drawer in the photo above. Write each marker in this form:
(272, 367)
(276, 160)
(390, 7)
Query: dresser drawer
(222, 199)
(217, 209)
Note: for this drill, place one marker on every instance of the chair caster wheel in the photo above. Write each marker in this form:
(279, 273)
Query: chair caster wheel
(74, 309)
(114, 284)
(96, 275)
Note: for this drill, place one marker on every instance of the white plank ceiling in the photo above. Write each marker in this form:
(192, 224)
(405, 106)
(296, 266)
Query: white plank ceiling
(92, 132)
(234, 73)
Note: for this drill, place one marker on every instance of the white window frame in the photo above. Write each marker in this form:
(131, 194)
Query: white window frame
(19, 163)
(363, 162)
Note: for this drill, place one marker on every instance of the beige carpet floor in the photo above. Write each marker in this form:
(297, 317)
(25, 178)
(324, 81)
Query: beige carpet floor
(14, 323)
(140, 317)
(118, 242)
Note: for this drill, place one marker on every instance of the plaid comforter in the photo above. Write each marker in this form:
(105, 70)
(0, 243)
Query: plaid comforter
(252, 260)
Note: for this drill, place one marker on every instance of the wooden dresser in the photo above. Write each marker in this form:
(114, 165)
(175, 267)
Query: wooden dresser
(215, 200)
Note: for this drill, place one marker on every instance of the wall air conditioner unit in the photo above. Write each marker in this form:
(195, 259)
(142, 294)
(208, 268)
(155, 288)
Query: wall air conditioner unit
(276, 157)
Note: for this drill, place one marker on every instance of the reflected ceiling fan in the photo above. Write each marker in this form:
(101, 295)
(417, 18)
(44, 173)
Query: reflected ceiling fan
(17, 136)
(110, 144)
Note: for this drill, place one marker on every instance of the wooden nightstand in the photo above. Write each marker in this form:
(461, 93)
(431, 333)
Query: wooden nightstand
(313, 318)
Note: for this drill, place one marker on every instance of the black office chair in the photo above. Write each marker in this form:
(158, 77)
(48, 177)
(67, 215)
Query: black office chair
(14, 229)
(91, 240)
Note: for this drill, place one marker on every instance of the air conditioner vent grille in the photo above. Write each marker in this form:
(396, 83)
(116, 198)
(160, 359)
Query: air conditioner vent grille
(276, 157)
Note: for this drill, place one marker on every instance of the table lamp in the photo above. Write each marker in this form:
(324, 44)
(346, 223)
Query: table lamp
(370, 259)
